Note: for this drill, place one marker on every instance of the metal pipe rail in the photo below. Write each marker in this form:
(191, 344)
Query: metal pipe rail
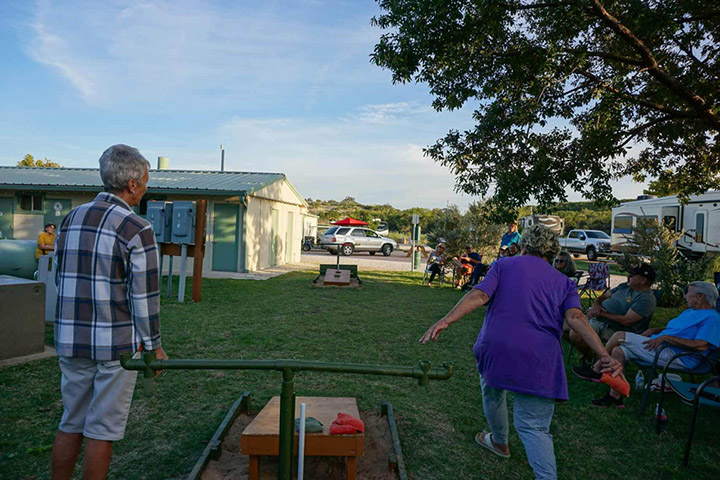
(424, 372)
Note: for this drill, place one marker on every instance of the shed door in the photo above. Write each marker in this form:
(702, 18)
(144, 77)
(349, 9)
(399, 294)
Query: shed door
(273, 237)
(56, 209)
(225, 237)
(6, 218)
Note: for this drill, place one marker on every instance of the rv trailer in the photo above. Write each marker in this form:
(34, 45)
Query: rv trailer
(553, 222)
(698, 221)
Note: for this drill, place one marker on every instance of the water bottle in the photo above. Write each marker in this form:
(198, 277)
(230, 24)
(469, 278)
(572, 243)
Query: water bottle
(639, 381)
(663, 415)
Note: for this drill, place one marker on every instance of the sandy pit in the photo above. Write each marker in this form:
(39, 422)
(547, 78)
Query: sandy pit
(373, 465)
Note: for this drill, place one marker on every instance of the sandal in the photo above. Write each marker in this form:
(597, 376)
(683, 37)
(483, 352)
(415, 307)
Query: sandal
(484, 439)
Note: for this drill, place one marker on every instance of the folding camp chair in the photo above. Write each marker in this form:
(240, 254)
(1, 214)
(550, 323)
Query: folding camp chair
(691, 394)
(440, 276)
(707, 365)
(597, 282)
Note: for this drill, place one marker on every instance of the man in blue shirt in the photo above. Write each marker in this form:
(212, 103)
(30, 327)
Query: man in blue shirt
(697, 328)
(511, 236)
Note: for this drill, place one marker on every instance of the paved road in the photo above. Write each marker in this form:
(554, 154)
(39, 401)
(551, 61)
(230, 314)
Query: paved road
(398, 261)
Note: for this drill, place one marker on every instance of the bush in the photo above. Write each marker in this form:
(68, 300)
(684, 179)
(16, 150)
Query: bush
(458, 230)
(658, 245)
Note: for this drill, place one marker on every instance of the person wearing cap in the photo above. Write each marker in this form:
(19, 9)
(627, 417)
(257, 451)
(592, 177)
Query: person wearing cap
(627, 307)
(697, 328)
(511, 236)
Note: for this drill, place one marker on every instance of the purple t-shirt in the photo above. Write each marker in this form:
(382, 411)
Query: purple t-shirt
(519, 347)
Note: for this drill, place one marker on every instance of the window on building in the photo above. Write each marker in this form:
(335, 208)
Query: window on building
(30, 203)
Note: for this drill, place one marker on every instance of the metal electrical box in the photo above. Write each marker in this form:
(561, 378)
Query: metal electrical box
(159, 214)
(183, 223)
(22, 317)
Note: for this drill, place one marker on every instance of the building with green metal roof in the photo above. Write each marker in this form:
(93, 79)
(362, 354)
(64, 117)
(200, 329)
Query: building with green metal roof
(255, 220)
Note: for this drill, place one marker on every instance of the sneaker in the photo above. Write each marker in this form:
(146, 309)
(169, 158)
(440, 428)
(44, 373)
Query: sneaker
(586, 372)
(608, 401)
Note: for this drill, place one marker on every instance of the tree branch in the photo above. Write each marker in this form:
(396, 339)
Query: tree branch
(634, 99)
(640, 128)
(695, 101)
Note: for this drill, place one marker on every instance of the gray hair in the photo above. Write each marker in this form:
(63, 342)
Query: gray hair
(541, 241)
(708, 289)
(119, 164)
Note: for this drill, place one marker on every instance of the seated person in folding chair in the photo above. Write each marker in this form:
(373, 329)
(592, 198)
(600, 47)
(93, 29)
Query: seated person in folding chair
(565, 265)
(436, 262)
(465, 264)
(697, 328)
(511, 236)
(627, 307)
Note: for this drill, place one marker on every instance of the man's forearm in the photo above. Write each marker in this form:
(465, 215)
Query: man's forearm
(699, 345)
(619, 319)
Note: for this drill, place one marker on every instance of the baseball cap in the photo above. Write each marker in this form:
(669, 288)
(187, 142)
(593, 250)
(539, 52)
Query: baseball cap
(644, 270)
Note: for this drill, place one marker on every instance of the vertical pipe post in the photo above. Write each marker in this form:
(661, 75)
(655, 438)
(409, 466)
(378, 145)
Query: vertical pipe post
(169, 280)
(287, 424)
(183, 265)
(301, 444)
(222, 158)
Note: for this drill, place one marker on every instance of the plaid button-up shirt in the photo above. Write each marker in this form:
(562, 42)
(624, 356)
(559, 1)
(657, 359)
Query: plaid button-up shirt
(108, 285)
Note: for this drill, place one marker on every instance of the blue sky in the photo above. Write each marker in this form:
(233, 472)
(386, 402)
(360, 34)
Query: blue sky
(285, 86)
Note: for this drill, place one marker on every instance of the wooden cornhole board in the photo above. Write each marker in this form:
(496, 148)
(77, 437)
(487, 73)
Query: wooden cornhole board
(334, 276)
(262, 437)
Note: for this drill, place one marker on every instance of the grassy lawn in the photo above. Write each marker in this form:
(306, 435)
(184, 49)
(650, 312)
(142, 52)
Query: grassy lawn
(378, 323)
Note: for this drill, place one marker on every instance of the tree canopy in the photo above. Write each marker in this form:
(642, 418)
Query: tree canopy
(565, 93)
(29, 161)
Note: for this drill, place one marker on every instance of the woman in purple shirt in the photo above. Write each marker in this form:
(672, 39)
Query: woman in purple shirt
(518, 348)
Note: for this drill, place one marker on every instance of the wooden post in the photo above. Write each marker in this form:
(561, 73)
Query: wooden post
(200, 220)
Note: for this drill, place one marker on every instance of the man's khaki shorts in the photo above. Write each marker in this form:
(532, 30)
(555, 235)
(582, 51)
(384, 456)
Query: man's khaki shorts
(96, 397)
(603, 330)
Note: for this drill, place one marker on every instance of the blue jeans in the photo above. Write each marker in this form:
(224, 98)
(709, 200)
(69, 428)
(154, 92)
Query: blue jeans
(532, 417)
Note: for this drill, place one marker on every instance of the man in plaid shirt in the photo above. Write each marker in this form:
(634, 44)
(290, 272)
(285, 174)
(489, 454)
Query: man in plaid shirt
(108, 304)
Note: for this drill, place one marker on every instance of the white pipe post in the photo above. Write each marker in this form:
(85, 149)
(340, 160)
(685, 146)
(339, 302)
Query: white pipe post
(183, 264)
(301, 443)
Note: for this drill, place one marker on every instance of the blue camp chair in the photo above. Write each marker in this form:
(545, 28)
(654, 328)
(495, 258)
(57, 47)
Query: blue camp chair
(691, 394)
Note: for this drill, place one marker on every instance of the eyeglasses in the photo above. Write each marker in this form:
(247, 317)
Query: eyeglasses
(559, 261)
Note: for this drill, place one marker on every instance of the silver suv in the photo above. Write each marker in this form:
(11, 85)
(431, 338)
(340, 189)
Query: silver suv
(356, 239)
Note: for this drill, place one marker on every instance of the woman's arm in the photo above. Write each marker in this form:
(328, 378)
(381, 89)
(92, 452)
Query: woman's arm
(473, 299)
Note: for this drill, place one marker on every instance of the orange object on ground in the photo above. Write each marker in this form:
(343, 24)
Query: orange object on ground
(619, 384)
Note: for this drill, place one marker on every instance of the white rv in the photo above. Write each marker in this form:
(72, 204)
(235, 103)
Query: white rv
(553, 222)
(699, 220)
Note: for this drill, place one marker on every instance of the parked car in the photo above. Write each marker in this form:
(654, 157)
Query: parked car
(593, 243)
(356, 239)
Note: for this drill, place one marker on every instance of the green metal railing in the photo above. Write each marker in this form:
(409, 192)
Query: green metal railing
(424, 372)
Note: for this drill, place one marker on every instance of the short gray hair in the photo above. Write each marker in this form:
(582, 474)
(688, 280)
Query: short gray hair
(120, 163)
(541, 241)
(708, 289)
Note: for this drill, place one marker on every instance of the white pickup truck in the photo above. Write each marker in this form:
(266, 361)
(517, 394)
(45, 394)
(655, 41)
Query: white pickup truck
(593, 243)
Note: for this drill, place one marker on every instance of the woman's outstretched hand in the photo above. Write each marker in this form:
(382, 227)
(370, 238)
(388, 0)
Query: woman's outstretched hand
(434, 331)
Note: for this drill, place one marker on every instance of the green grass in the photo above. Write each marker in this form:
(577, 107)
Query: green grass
(378, 323)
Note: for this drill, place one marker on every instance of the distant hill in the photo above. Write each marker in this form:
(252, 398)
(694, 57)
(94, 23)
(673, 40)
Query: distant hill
(576, 214)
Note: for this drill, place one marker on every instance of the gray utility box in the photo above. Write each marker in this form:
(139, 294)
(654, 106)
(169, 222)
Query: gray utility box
(22, 317)
(183, 225)
(159, 214)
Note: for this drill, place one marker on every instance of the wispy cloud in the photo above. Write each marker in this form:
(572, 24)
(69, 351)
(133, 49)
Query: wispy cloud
(117, 52)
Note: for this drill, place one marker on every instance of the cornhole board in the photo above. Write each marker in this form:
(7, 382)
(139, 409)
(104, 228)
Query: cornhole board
(333, 276)
(262, 437)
